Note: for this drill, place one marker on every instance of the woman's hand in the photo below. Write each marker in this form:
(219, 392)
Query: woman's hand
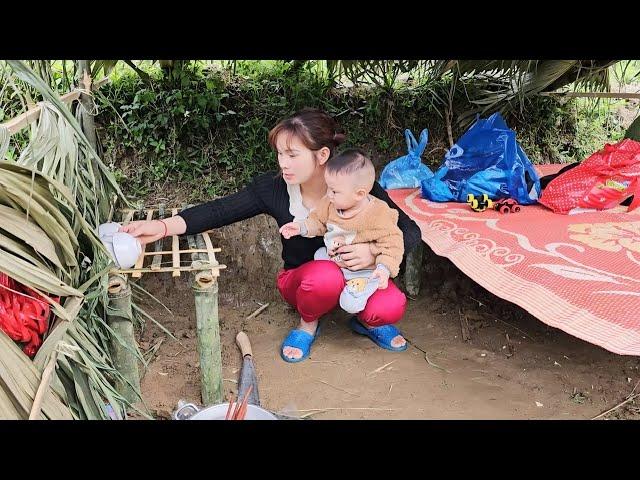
(357, 257)
(146, 231)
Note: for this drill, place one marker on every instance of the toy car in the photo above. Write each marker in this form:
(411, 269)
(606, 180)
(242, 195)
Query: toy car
(479, 204)
(506, 205)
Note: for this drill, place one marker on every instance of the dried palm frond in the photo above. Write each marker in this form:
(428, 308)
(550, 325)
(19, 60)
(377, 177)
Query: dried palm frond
(53, 198)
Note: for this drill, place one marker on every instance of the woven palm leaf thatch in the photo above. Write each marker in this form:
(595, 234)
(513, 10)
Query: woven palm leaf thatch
(53, 198)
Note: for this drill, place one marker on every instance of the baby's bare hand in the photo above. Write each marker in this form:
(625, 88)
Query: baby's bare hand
(383, 278)
(290, 229)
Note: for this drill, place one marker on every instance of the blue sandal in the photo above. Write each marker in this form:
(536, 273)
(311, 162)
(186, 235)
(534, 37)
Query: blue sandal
(381, 336)
(298, 339)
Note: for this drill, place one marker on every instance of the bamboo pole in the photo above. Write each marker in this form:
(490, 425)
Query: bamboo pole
(175, 246)
(18, 123)
(87, 123)
(205, 289)
(157, 248)
(140, 260)
(190, 250)
(189, 268)
(43, 388)
(119, 318)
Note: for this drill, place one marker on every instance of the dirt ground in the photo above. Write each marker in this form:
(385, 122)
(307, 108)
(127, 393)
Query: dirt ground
(485, 358)
(511, 365)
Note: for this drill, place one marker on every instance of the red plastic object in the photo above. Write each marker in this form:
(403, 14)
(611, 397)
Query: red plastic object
(24, 314)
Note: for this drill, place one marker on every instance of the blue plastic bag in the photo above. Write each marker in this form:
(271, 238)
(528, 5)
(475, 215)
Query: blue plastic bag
(407, 171)
(486, 159)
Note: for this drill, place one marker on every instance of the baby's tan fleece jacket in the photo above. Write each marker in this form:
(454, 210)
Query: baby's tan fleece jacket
(377, 223)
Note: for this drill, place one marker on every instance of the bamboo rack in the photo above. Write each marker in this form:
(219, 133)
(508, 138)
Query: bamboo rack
(166, 254)
(197, 255)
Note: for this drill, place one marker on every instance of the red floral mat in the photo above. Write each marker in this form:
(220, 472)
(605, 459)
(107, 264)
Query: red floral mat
(579, 273)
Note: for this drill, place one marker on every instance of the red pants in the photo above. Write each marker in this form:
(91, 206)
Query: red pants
(314, 289)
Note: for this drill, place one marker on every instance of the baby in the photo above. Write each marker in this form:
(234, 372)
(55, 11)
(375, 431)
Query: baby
(348, 214)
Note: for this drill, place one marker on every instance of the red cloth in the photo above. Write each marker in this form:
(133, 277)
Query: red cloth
(314, 289)
(602, 181)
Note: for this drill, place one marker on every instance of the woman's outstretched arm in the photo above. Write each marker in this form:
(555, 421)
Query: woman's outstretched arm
(244, 204)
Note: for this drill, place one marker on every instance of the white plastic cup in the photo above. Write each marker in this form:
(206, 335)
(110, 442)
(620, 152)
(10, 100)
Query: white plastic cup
(107, 229)
(126, 249)
(123, 247)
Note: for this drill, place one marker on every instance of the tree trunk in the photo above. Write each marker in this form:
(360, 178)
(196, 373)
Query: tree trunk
(633, 132)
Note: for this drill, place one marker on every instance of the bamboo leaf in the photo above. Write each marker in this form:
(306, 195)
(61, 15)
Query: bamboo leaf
(30, 233)
(20, 379)
(21, 250)
(27, 75)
